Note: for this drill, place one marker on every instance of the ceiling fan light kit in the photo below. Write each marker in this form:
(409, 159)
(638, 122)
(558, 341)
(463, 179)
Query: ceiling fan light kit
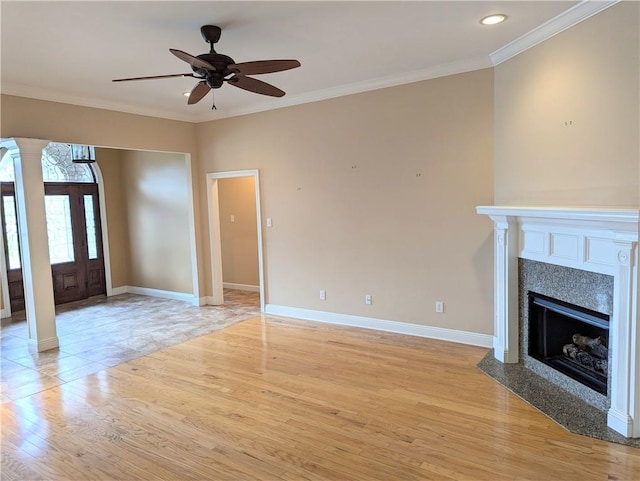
(213, 69)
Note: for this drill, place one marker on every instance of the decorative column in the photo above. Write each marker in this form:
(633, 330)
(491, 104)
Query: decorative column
(34, 246)
(624, 413)
(505, 290)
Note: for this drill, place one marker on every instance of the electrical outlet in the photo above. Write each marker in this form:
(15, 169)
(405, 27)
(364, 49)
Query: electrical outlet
(323, 295)
(368, 299)
(439, 306)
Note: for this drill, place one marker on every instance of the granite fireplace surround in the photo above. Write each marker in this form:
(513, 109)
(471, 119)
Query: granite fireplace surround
(585, 256)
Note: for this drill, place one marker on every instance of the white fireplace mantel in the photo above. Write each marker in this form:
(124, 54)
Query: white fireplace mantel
(591, 239)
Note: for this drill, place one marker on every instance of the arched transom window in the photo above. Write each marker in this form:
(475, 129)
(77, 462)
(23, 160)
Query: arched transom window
(56, 166)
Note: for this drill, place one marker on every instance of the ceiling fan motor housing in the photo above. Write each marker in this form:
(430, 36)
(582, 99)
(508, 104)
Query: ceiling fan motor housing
(220, 62)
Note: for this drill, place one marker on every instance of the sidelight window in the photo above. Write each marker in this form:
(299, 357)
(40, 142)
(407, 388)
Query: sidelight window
(59, 228)
(11, 231)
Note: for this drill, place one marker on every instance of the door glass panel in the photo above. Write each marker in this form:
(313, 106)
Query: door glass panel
(90, 221)
(11, 228)
(57, 166)
(59, 230)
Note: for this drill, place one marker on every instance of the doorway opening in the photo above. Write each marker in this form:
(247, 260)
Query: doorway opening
(72, 209)
(215, 232)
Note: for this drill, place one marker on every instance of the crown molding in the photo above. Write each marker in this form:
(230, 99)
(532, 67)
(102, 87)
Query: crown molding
(358, 87)
(468, 65)
(28, 91)
(567, 19)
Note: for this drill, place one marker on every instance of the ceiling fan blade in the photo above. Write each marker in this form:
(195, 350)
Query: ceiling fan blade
(263, 66)
(255, 85)
(154, 76)
(199, 91)
(195, 62)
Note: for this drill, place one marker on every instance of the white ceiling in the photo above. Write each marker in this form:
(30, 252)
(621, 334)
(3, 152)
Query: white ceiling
(70, 51)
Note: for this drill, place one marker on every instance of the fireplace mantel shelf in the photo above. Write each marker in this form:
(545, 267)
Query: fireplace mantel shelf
(599, 214)
(594, 239)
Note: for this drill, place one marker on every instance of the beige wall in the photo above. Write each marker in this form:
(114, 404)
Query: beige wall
(374, 194)
(110, 164)
(31, 118)
(39, 119)
(587, 75)
(158, 220)
(237, 198)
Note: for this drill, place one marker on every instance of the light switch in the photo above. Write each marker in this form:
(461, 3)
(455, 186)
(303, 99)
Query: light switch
(232, 218)
(269, 223)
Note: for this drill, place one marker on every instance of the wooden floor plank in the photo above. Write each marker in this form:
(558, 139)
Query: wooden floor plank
(283, 400)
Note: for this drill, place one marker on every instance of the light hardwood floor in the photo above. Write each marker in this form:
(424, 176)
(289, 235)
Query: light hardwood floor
(102, 332)
(275, 399)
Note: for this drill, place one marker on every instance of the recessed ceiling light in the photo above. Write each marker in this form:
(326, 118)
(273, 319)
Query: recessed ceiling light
(186, 94)
(493, 19)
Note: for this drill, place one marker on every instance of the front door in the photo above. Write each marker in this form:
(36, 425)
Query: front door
(75, 242)
(75, 246)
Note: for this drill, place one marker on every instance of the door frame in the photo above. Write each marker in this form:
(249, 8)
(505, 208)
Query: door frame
(4, 281)
(215, 242)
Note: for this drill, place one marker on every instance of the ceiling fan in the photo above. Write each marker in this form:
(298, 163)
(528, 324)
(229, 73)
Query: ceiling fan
(213, 69)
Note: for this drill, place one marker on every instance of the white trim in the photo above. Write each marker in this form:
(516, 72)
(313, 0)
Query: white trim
(102, 205)
(567, 19)
(20, 90)
(45, 344)
(620, 422)
(206, 301)
(4, 280)
(215, 243)
(418, 330)
(192, 227)
(146, 291)
(404, 78)
(628, 216)
(117, 291)
(241, 287)
(591, 239)
(288, 101)
(200, 301)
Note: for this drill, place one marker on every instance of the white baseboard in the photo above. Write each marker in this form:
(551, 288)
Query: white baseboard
(146, 291)
(208, 301)
(6, 312)
(452, 335)
(116, 291)
(620, 422)
(200, 301)
(45, 344)
(241, 287)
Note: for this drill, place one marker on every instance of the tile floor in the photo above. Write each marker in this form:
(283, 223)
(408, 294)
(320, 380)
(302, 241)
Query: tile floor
(101, 332)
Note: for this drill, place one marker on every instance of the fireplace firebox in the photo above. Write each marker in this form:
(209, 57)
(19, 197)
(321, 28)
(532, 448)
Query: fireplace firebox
(571, 339)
